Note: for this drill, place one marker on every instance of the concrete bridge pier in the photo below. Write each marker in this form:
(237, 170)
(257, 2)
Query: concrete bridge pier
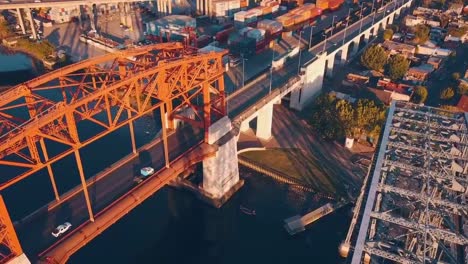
(312, 81)
(221, 172)
(264, 121)
(367, 36)
(344, 55)
(31, 22)
(390, 20)
(92, 17)
(329, 69)
(20, 20)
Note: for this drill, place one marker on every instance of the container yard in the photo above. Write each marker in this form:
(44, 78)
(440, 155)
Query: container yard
(245, 31)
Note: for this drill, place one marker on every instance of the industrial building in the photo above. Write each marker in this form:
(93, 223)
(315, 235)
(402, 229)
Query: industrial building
(414, 207)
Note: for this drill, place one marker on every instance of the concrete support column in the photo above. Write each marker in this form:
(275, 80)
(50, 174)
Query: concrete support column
(80, 16)
(31, 22)
(344, 55)
(355, 48)
(198, 7)
(20, 20)
(163, 7)
(310, 85)
(169, 4)
(123, 13)
(330, 65)
(264, 121)
(367, 36)
(128, 17)
(92, 17)
(390, 20)
(244, 126)
(221, 172)
(208, 8)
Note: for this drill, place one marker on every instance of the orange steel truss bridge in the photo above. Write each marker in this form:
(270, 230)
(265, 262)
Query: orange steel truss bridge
(121, 87)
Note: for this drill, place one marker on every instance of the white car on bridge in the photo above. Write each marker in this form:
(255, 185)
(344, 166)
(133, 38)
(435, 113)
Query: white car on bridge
(61, 229)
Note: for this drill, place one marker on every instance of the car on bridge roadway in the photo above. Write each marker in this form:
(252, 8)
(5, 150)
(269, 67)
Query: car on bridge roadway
(59, 230)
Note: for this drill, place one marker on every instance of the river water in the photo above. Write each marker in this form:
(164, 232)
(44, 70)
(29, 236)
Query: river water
(174, 227)
(16, 68)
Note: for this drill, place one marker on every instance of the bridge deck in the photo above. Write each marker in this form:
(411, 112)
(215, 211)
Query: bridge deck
(89, 230)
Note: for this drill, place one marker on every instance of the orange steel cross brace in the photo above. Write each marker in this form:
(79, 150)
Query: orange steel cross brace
(124, 86)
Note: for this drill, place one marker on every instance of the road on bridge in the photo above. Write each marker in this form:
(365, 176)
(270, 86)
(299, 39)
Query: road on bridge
(35, 231)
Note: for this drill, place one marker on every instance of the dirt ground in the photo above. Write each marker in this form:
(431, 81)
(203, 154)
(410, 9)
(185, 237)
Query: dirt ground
(328, 166)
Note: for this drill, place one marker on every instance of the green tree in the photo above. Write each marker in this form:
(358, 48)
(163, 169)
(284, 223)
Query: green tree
(463, 88)
(456, 76)
(345, 113)
(420, 94)
(374, 58)
(4, 29)
(421, 33)
(397, 66)
(447, 93)
(367, 115)
(388, 34)
(324, 118)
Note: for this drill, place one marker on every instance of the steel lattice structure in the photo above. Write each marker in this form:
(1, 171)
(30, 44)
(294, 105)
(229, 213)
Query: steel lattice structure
(121, 87)
(416, 210)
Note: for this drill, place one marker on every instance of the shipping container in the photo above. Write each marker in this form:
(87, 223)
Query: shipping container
(203, 40)
(329, 5)
(223, 35)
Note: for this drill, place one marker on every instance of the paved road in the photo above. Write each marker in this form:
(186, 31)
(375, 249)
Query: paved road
(37, 229)
(35, 232)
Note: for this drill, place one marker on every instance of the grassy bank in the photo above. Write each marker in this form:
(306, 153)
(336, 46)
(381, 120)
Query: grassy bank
(297, 165)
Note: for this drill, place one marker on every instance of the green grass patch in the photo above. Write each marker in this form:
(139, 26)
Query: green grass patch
(296, 164)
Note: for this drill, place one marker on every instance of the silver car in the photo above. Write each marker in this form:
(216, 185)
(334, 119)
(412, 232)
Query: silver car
(61, 229)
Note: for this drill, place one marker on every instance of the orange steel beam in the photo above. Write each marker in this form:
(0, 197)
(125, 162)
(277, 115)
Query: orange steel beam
(124, 86)
(9, 239)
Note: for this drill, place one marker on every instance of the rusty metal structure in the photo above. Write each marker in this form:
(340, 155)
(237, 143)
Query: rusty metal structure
(111, 91)
(9, 244)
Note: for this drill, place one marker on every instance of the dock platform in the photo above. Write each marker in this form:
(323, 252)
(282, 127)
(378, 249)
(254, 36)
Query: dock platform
(298, 223)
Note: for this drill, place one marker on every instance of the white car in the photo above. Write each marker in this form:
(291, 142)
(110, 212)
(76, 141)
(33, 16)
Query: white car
(61, 229)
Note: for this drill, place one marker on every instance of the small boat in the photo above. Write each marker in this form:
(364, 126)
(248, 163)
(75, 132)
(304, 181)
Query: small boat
(246, 210)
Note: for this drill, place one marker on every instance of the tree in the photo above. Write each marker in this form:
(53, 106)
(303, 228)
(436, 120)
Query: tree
(447, 93)
(374, 58)
(420, 94)
(456, 76)
(421, 33)
(324, 118)
(458, 32)
(463, 88)
(388, 34)
(397, 66)
(4, 29)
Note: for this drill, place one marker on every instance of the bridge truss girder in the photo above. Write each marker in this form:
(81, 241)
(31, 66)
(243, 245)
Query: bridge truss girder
(122, 87)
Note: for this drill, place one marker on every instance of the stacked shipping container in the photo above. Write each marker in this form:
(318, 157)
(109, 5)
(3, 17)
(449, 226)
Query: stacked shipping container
(331, 5)
(305, 14)
(250, 17)
(226, 8)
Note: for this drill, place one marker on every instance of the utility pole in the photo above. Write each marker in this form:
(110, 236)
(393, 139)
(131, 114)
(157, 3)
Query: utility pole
(373, 11)
(310, 38)
(243, 70)
(347, 21)
(333, 25)
(325, 43)
(360, 18)
(300, 52)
